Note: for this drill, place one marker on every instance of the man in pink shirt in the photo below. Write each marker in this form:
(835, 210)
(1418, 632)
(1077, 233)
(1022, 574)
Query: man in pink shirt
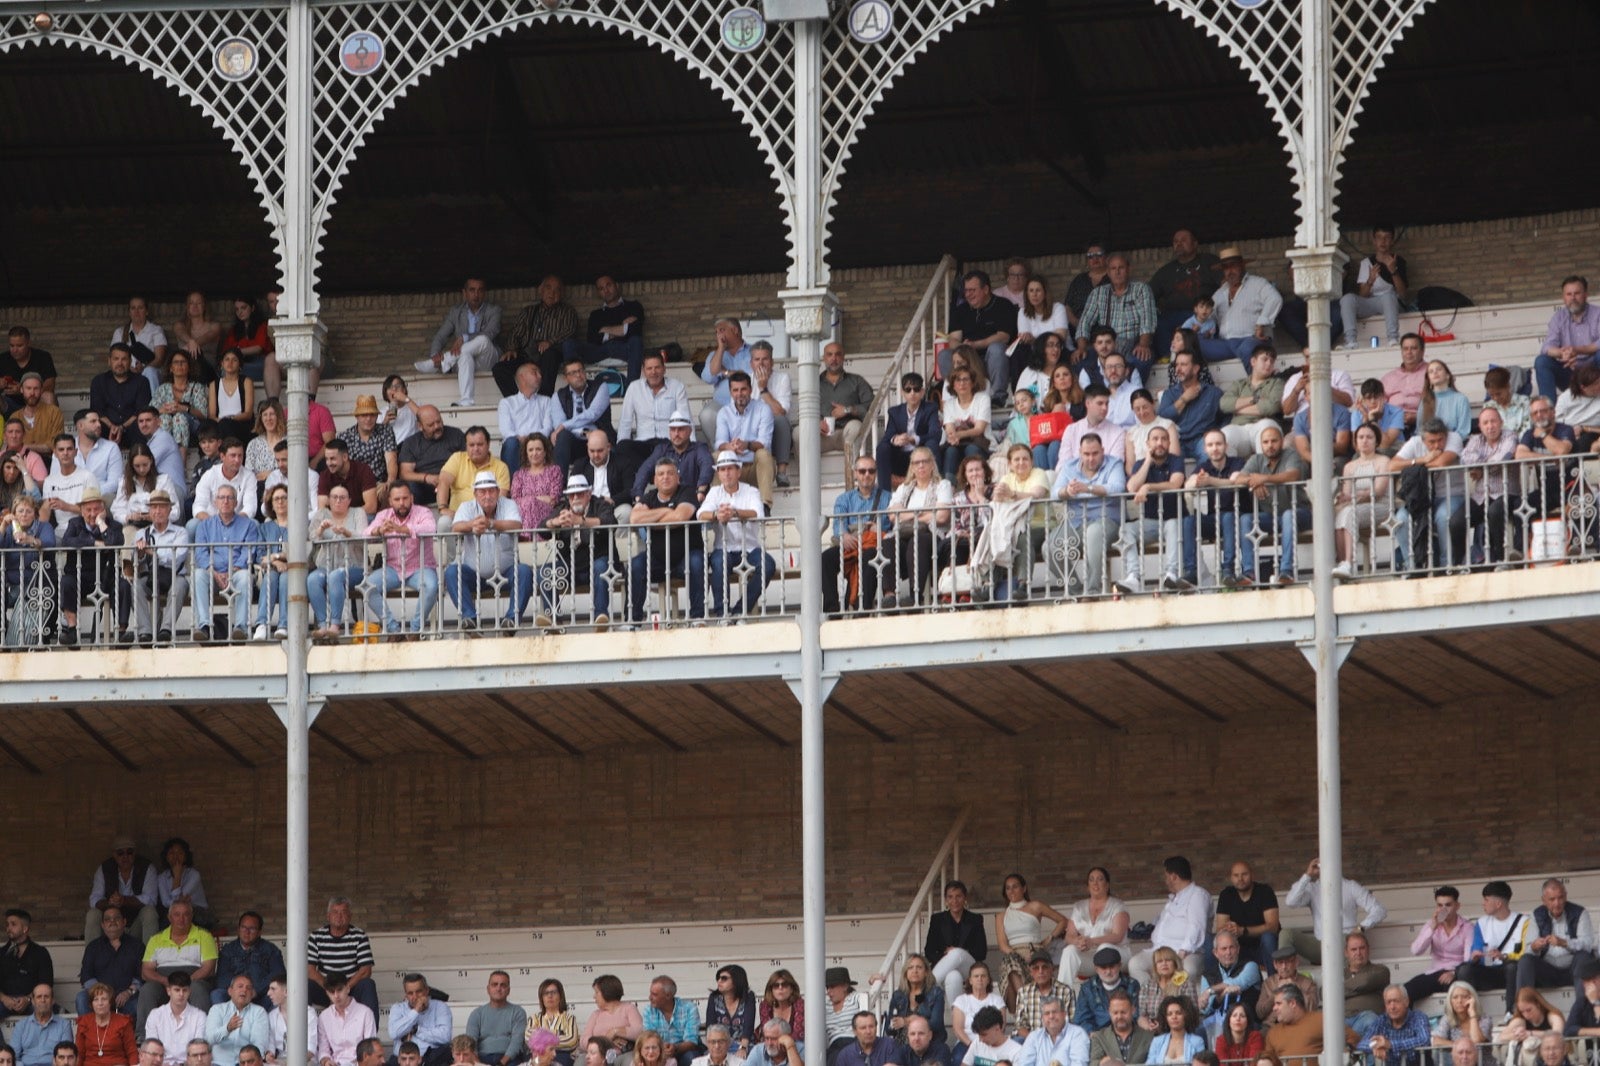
(408, 560)
(1447, 937)
(1404, 383)
(345, 1024)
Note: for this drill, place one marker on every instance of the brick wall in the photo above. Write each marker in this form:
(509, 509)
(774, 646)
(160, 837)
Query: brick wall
(636, 835)
(1495, 261)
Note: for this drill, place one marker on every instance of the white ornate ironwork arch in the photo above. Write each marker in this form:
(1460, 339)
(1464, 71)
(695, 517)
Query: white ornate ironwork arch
(248, 112)
(420, 36)
(1265, 39)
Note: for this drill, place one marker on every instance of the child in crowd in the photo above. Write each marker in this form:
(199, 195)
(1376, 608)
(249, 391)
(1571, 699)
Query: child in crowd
(1203, 321)
(210, 451)
(1513, 407)
(1021, 411)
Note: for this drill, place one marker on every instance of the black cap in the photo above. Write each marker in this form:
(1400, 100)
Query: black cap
(837, 975)
(1107, 957)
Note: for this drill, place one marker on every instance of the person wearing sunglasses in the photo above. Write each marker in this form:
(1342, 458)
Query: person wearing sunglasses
(913, 422)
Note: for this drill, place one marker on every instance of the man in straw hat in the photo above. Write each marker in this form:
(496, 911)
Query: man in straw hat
(90, 570)
(1247, 306)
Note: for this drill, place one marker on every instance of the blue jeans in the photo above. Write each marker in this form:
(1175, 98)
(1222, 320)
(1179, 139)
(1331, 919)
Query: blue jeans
(956, 454)
(274, 596)
(327, 591)
(238, 581)
(1045, 456)
(1224, 527)
(379, 583)
(1550, 376)
(629, 349)
(599, 588)
(1422, 549)
(723, 568)
(1289, 522)
(651, 566)
(463, 585)
(511, 452)
(1215, 348)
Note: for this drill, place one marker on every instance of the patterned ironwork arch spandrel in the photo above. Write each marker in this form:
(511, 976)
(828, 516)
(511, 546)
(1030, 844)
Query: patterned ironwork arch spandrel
(419, 36)
(1265, 39)
(178, 48)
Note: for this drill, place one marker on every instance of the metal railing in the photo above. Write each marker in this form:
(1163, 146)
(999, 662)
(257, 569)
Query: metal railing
(954, 553)
(925, 903)
(916, 350)
(1581, 1051)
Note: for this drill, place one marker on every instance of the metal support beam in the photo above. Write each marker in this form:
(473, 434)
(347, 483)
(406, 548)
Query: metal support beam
(1396, 684)
(616, 705)
(1067, 698)
(727, 706)
(532, 723)
(965, 705)
(1245, 666)
(437, 733)
(1512, 677)
(99, 738)
(194, 723)
(1170, 690)
(344, 749)
(856, 718)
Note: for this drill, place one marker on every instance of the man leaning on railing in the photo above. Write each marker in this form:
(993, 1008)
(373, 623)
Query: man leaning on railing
(160, 572)
(1091, 484)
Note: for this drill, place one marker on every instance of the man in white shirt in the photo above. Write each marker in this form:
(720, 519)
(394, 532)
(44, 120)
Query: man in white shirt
(64, 486)
(98, 455)
(1380, 286)
(1247, 307)
(522, 413)
(278, 1026)
(744, 427)
(343, 1026)
(1182, 925)
(647, 406)
(718, 1040)
(1307, 892)
(177, 1023)
(231, 471)
(1563, 941)
(734, 511)
(772, 387)
(1498, 942)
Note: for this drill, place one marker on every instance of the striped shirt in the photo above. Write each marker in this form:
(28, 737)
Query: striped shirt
(339, 955)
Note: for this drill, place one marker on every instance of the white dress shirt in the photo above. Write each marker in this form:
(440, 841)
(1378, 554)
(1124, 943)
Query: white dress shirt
(1356, 897)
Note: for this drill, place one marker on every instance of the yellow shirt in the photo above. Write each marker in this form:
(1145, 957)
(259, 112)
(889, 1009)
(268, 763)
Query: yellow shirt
(461, 469)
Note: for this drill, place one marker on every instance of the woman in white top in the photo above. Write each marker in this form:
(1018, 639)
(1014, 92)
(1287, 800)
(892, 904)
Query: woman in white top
(1362, 501)
(1579, 406)
(139, 480)
(980, 994)
(1039, 315)
(178, 879)
(1097, 922)
(966, 414)
(233, 398)
(920, 511)
(1020, 931)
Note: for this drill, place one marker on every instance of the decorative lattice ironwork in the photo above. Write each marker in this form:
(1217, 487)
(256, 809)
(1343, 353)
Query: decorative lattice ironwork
(179, 47)
(421, 35)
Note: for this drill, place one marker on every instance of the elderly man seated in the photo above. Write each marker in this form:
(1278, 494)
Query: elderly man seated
(580, 533)
(227, 546)
(1091, 484)
(733, 510)
(489, 523)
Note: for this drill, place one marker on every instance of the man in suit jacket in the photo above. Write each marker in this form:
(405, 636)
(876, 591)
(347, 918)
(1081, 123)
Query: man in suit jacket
(465, 341)
(608, 472)
(913, 423)
(584, 405)
(1122, 1040)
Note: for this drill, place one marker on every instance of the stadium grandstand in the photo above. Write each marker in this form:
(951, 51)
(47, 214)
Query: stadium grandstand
(540, 520)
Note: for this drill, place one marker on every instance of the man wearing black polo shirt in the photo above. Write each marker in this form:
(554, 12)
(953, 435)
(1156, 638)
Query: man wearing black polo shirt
(1248, 909)
(424, 453)
(989, 324)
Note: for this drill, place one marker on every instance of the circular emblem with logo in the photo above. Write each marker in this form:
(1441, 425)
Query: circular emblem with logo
(743, 29)
(871, 20)
(236, 59)
(361, 53)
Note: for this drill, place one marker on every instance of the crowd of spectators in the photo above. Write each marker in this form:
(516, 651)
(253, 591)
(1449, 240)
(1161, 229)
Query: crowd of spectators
(176, 460)
(1215, 980)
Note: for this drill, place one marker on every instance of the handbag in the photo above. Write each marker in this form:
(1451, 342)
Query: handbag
(1047, 427)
